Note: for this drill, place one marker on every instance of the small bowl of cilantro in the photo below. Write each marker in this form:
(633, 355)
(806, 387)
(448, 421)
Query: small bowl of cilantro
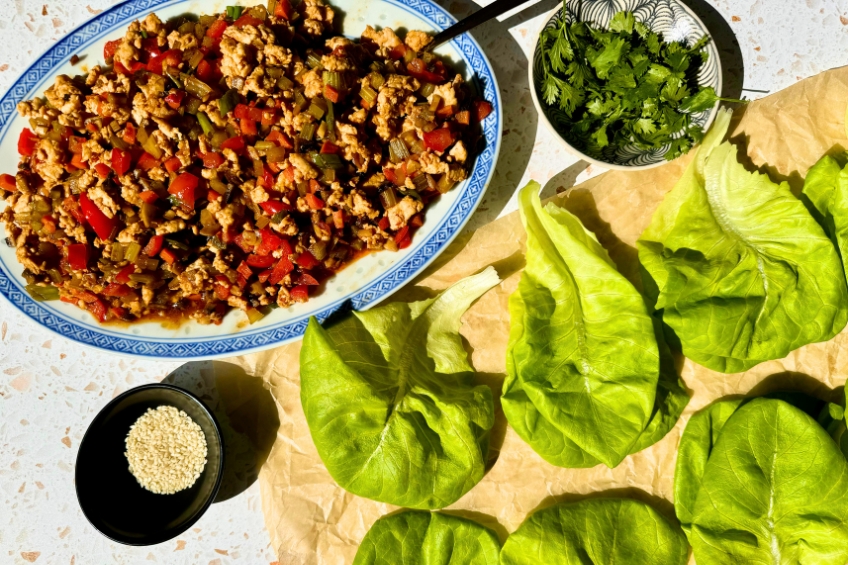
(626, 89)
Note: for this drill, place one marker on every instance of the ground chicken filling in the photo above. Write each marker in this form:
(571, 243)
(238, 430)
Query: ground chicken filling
(235, 161)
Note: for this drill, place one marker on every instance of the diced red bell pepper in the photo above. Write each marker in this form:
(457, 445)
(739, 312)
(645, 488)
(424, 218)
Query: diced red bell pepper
(267, 179)
(307, 260)
(288, 173)
(116, 289)
(212, 196)
(264, 275)
(129, 133)
(49, 224)
(27, 142)
(417, 68)
(118, 312)
(248, 127)
(73, 207)
(272, 207)
(398, 52)
(148, 196)
(401, 234)
(76, 161)
(247, 20)
(78, 256)
(332, 94)
(245, 112)
(300, 293)
(260, 261)
(110, 48)
(154, 246)
(222, 292)
(269, 117)
(246, 247)
(175, 98)
(307, 279)
(205, 71)
(383, 224)
(212, 160)
(463, 117)
(183, 187)
(236, 143)
(168, 256)
(314, 202)
(329, 147)
(438, 139)
(75, 144)
(150, 47)
(314, 185)
(97, 309)
(283, 267)
(170, 58)
(147, 161)
(482, 109)
(416, 221)
(121, 161)
(7, 183)
(390, 174)
(270, 242)
(102, 170)
(338, 219)
(104, 226)
(217, 29)
(446, 111)
(244, 270)
(123, 276)
(284, 9)
(280, 139)
(173, 164)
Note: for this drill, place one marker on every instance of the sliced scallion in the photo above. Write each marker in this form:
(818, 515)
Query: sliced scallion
(205, 123)
(330, 120)
(227, 103)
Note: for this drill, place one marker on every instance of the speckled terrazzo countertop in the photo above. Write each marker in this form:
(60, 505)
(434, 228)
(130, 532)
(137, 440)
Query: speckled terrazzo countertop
(50, 388)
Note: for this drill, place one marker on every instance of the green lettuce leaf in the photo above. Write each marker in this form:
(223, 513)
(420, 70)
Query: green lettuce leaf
(427, 538)
(596, 531)
(390, 399)
(583, 364)
(826, 186)
(773, 490)
(740, 269)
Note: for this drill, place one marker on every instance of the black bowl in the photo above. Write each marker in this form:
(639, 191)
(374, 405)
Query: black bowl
(109, 495)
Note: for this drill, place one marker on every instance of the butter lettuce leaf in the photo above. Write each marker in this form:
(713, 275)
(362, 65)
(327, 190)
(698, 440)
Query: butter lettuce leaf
(427, 538)
(391, 403)
(826, 186)
(773, 488)
(583, 364)
(596, 531)
(740, 269)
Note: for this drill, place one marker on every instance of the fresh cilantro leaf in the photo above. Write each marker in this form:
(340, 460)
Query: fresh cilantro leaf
(561, 52)
(643, 30)
(550, 89)
(600, 138)
(621, 79)
(599, 107)
(674, 90)
(702, 100)
(622, 22)
(678, 61)
(578, 73)
(644, 126)
(603, 60)
(657, 74)
(569, 98)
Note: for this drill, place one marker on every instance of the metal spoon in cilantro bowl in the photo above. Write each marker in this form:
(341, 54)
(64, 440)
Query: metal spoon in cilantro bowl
(622, 92)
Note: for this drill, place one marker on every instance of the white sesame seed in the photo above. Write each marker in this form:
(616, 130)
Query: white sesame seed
(166, 450)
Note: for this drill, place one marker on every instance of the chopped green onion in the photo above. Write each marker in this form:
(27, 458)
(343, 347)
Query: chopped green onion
(205, 123)
(132, 251)
(42, 293)
(174, 75)
(317, 108)
(227, 103)
(377, 80)
(333, 79)
(398, 151)
(427, 89)
(192, 105)
(176, 244)
(331, 121)
(143, 34)
(234, 12)
(195, 86)
(284, 82)
(142, 278)
(368, 94)
(278, 217)
(313, 61)
(307, 131)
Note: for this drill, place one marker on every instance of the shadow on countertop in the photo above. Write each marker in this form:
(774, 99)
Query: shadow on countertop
(246, 412)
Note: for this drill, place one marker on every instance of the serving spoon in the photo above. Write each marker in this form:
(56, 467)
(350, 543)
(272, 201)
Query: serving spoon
(482, 15)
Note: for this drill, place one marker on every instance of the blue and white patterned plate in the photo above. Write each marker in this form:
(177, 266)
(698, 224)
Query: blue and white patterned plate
(675, 21)
(364, 283)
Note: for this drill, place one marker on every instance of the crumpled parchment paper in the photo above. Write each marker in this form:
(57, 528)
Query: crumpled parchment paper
(313, 521)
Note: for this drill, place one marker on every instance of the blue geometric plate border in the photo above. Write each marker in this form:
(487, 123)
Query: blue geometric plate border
(402, 272)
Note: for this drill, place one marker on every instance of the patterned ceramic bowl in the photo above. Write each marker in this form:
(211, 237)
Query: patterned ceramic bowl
(675, 21)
